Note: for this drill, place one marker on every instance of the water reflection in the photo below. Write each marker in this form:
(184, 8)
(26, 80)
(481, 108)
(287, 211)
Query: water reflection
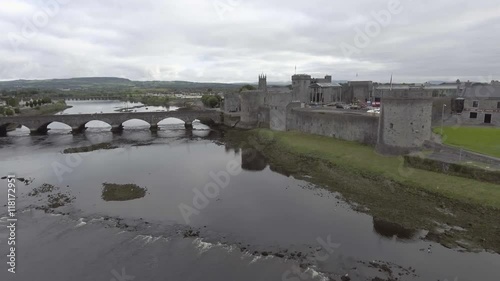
(390, 230)
(252, 160)
(168, 133)
(96, 137)
(137, 135)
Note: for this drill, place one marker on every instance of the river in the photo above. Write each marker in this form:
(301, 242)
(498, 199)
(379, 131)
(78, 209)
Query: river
(212, 211)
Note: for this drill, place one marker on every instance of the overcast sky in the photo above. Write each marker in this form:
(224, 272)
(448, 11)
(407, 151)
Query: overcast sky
(235, 40)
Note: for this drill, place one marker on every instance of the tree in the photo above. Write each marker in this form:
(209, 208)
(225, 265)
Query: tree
(27, 104)
(12, 102)
(32, 104)
(211, 101)
(247, 87)
(9, 112)
(17, 110)
(2, 110)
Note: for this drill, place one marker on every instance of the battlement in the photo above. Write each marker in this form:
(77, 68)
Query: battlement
(301, 77)
(413, 93)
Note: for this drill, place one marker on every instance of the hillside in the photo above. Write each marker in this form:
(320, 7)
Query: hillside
(91, 83)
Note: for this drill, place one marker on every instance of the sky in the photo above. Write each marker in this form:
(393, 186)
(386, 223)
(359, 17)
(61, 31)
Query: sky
(236, 40)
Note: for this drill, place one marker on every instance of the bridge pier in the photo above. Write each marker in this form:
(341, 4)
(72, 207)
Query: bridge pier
(154, 128)
(78, 130)
(117, 128)
(3, 131)
(39, 131)
(188, 125)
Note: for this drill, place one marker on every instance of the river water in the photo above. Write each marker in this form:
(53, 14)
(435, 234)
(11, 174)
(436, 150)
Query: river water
(212, 211)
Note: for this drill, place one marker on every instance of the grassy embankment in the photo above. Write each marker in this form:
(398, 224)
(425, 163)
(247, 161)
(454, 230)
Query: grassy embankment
(47, 109)
(387, 190)
(478, 139)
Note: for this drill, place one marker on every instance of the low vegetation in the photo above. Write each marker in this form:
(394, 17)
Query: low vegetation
(485, 140)
(211, 101)
(385, 188)
(247, 87)
(100, 146)
(55, 199)
(44, 188)
(122, 192)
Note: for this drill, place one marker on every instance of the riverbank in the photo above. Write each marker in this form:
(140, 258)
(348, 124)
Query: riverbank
(457, 212)
(48, 109)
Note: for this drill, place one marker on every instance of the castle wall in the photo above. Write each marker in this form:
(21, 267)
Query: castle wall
(232, 102)
(405, 121)
(264, 117)
(361, 128)
(278, 103)
(251, 101)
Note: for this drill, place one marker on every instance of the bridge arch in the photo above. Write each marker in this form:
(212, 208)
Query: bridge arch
(94, 125)
(136, 123)
(55, 126)
(18, 128)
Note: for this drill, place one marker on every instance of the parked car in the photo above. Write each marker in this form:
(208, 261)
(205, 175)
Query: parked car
(342, 105)
(374, 111)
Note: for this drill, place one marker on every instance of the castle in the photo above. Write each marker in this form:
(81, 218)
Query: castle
(403, 125)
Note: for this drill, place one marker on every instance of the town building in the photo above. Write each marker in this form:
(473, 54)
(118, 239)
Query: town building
(479, 104)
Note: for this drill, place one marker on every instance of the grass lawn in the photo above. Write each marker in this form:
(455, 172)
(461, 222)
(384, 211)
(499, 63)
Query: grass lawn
(364, 160)
(477, 139)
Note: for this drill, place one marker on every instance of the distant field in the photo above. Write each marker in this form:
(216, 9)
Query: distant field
(477, 139)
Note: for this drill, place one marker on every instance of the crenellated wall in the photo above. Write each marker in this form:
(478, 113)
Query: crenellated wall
(404, 124)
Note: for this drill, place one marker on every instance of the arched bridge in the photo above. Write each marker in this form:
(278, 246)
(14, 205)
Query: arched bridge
(78, 121)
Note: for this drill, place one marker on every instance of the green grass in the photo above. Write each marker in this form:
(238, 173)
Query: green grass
(100, 146)
(122, 192)
(363, 160)
(477, 139)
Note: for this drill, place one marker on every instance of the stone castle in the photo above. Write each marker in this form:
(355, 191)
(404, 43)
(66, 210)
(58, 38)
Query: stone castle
(403, 125)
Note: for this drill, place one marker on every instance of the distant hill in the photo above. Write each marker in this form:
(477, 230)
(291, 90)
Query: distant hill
(89, 83)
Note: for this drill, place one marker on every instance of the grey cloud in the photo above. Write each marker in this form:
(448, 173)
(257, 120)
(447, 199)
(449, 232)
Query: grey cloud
(192, 40)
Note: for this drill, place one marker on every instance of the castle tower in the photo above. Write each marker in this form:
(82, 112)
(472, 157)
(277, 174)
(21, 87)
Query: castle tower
(263, 82)
(300, 87)
(405, 121)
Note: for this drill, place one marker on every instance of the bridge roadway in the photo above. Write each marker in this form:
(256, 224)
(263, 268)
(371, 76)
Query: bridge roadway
(38, 124)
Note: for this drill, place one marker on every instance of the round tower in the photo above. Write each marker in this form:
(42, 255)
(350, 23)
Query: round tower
(300, 87)
(405, 121)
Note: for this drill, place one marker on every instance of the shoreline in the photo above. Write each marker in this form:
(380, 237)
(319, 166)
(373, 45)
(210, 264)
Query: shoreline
(458, 213)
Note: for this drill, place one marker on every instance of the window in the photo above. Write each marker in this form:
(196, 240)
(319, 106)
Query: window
(487, 118)
(473, 115)
(498, 105)
(475, 103)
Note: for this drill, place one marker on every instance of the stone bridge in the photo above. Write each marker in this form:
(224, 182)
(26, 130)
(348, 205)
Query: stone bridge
(38, 124)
